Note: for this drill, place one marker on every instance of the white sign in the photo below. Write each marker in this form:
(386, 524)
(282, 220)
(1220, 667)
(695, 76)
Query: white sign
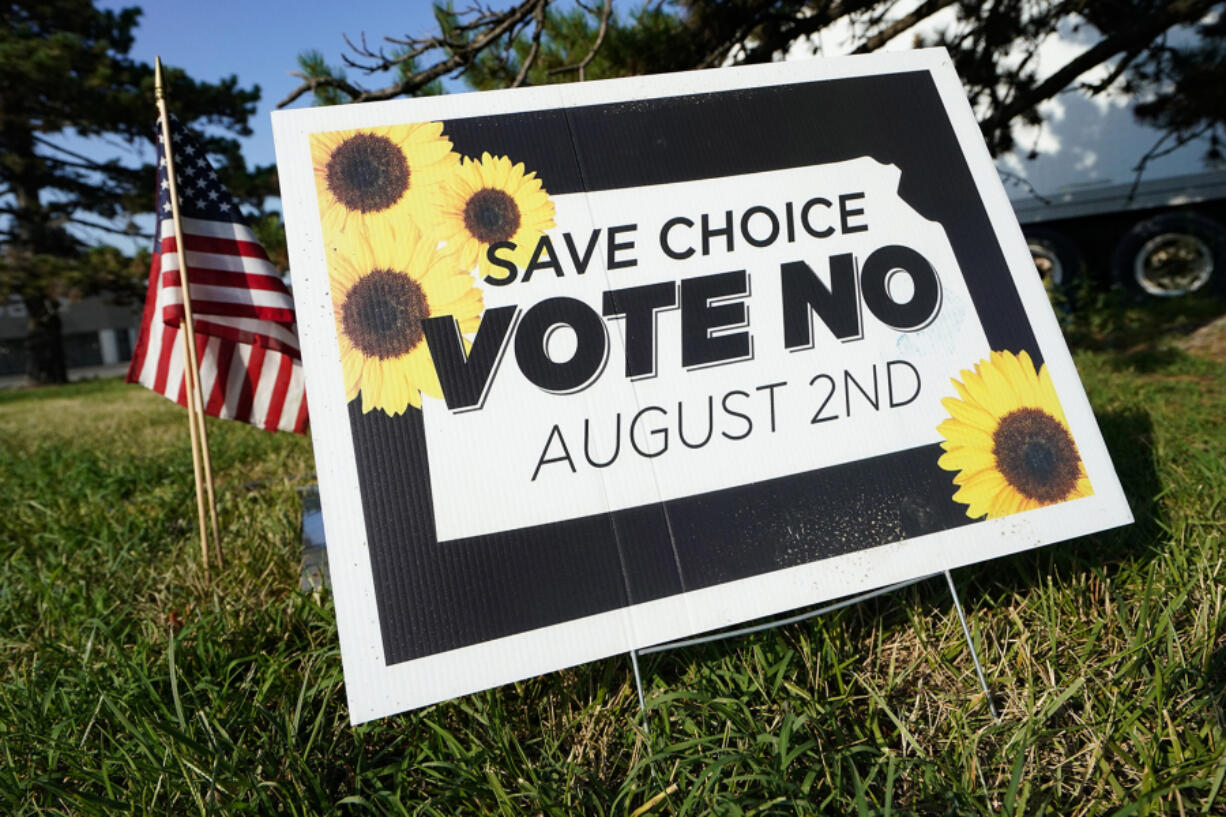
(596, 366)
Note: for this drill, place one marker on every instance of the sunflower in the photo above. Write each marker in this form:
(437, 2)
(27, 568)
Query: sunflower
(383, 286)
(1008, 439)
(489, 201)
(381, 174)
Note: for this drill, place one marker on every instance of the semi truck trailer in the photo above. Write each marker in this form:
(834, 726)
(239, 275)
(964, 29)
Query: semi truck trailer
(1105, 198)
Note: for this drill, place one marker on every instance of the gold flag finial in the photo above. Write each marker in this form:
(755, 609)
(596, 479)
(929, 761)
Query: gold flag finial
(157, 79)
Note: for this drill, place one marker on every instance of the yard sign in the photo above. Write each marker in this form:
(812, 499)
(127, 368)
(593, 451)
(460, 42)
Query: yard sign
(596, 366)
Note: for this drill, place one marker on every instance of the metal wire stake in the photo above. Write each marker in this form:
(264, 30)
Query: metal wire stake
(638, 685)
(966, 631)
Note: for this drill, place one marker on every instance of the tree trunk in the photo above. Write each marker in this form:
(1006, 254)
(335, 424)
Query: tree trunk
(33, 240)
(44, 342)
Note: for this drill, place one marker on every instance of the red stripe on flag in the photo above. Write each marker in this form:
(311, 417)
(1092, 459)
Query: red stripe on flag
(217, 396)
(226, 278)
(230, 309)
(173, 314)
(213, 244)
(146, 321)
(300, 422)
(277, 403)
(170, 338)
(251, 338)
(255, 365)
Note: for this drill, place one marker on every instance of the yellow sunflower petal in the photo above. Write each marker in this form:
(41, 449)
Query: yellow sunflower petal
(977, 499)
(968, 460)
(998, 405)
(1010, 368)
(420, 367)
(960, 434)
(1047, 392)
(999, 385)
(971, 415)
(351, 367)
(396, 387)
(1005, 503)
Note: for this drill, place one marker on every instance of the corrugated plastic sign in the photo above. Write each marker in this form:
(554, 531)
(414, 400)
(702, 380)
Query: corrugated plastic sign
(596, 366)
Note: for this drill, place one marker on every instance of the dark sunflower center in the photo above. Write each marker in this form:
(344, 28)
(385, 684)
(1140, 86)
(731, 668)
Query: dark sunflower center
(367, 173)
(491, 215)
(383, 313)
(1036, 455)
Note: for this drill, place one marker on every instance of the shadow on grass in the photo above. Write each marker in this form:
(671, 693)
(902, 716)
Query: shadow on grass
(1117, 320)
(1214, 687)
(1129, 437)
(1147, 360)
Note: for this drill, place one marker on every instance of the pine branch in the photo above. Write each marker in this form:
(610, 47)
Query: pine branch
(484, 29)
(126, 232)
(1144, 31)
(787, 30)
(580, 66)
(539, 23)
(85, 161)
(1159, 149)
(905, 23)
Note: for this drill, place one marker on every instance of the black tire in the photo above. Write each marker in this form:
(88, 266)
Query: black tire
(1171, 255)
(1057, 259)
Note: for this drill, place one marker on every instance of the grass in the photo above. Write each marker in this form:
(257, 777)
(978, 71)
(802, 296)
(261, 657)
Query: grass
(129, 685)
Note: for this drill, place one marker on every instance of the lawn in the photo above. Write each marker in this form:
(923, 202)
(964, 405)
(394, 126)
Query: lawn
(129, 684)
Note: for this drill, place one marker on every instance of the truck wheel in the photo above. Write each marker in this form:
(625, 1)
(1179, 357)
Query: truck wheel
(1171, 255)
(1056, 258)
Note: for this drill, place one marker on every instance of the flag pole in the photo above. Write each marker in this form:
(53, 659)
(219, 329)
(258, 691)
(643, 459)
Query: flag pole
(195, 405)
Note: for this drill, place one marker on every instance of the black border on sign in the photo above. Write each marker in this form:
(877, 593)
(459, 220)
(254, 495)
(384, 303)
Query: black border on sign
(434, 597)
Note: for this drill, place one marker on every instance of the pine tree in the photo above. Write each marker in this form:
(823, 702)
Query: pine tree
(993, 44)
(68, 82)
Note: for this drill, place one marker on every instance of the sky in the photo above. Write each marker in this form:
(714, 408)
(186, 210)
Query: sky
(259, 41)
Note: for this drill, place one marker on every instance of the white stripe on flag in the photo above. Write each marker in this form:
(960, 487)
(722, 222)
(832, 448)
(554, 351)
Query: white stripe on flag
(234, 295)
(156, 329)
(255, 326)
(265, 390)
(174, 375)
(211, 229)
(153, 350)
(221, 261)
(296, 393)
(208, 367)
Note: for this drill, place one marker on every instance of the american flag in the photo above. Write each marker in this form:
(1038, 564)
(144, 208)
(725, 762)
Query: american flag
(246, 340)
